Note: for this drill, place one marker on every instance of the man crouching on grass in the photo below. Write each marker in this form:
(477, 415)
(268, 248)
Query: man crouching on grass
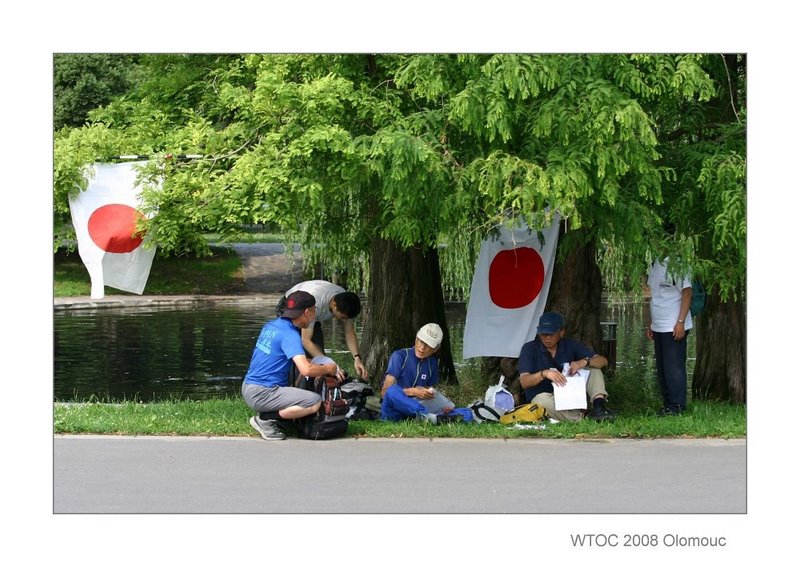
(266, 385)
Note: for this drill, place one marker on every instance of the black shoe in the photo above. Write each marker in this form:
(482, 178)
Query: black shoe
(448, 418)
(601, 413)
(668, 411)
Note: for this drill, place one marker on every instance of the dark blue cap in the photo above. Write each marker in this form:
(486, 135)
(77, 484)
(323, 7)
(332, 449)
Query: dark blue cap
(550, 323)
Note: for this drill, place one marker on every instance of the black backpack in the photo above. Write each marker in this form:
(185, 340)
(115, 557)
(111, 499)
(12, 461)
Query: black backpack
(332, 418)
(357, 393)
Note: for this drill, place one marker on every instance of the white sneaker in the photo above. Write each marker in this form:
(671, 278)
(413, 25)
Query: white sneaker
(429, 417)
(267, 429)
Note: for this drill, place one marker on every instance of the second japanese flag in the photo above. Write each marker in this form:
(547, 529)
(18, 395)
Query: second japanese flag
(509, 291)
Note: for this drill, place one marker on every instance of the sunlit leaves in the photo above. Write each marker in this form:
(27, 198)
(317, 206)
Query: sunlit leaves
(692, 80)
(337, 149)
(706, 200)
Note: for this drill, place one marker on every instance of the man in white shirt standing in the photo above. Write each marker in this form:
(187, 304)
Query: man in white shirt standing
(333, 301)
(670, 322)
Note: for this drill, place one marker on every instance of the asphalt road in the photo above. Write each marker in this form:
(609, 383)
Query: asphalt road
(111, 474)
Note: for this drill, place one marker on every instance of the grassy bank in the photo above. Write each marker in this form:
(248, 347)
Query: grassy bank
(218, 274)
(229, 417)
(634, 397)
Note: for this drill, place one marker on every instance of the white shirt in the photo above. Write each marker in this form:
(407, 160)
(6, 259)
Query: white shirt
(665, 299)
(323, 293)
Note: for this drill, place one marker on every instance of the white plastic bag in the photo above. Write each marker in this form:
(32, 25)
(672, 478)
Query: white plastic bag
(498, 398)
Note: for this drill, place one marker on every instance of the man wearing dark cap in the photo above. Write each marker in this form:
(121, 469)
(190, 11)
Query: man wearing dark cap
(266, 385)
(541, 364)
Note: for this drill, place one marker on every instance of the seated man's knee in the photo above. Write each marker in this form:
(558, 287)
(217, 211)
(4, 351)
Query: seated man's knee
(394, 391)
(596, 381)
(545, 400)
(596, 372)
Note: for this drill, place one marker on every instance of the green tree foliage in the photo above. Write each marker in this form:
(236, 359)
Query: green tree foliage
(428, 151)
(85, 81)
(414, 148)
(704, 145)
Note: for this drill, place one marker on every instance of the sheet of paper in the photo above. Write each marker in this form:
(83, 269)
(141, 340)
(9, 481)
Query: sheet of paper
(437, 403)
(573, 395)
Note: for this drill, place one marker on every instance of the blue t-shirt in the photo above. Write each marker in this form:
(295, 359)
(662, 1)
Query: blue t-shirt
(409, 371)
(535, 357)
(277, 344)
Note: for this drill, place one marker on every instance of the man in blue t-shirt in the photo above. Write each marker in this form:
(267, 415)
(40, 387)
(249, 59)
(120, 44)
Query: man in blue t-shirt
(266, 385)
(542, 361)
(407, 389)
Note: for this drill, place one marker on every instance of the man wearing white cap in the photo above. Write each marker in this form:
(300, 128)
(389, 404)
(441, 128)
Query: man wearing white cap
(407, 389)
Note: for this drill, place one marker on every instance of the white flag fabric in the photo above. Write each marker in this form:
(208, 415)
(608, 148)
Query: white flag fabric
(509, 291)
(104, 217)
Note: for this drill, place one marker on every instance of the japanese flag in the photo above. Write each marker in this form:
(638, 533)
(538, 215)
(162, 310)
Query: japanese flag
(509, 291)
(105, 217)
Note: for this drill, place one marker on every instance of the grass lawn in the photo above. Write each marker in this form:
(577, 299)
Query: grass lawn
(229, 417)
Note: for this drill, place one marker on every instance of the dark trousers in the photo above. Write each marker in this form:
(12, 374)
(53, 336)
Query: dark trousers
(671, 369)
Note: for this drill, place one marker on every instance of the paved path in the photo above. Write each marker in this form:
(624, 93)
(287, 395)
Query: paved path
(267, 267)
(116, 474)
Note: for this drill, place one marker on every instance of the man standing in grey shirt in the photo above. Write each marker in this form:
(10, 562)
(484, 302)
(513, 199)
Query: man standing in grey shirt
(333, 301)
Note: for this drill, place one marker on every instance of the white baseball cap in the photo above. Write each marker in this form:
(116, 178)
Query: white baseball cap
(431, 334)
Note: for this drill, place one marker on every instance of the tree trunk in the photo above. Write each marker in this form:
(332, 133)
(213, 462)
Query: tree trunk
(405, 292)
(576, 291)
(721, 369)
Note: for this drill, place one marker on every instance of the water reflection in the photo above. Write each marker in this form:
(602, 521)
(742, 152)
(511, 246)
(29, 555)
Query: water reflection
(194, 353)
(154, 353)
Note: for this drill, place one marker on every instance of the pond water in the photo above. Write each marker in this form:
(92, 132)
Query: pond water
(114, 354)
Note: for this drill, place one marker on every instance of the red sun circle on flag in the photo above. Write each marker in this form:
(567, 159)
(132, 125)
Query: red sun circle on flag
(515, 277)
(112, 228)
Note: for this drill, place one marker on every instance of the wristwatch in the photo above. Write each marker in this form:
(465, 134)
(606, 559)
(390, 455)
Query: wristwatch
(588, 360)
(680, 320)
